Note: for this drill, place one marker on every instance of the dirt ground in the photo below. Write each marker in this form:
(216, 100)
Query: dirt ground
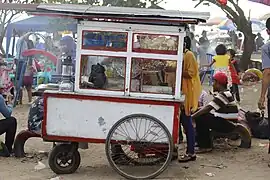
(224, 163)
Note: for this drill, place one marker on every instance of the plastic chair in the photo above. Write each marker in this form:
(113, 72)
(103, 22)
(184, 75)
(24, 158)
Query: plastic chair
(209, 70)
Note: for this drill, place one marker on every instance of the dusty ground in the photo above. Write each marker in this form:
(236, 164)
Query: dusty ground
(234, 163)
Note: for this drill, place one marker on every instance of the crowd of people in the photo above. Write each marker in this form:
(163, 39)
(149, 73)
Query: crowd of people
(198, 116)
(8, 126)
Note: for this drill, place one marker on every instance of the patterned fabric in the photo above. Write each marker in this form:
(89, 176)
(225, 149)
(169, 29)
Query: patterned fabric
(35, 115)
(203, 98)
(224, 105)
(226, 71)
(5, 79)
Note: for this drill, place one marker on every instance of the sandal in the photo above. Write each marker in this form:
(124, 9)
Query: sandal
(186, 158)
(202, 150)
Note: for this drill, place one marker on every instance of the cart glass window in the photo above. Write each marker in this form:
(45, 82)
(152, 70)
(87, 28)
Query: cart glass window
(104, 40)
(153, 76)
(153, 43)
(102, 72)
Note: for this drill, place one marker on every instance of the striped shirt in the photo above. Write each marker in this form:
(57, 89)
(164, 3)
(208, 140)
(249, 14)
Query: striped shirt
(224, 105)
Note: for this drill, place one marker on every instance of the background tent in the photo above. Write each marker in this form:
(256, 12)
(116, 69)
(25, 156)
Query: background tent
(265, 2)
(40, 24)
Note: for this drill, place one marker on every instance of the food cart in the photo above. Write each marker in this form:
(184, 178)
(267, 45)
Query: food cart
(127, 90)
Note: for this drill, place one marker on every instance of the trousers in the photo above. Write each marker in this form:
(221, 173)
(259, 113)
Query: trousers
(8, 126)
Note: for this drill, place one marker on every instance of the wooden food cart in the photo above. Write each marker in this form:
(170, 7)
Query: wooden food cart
(127, 88)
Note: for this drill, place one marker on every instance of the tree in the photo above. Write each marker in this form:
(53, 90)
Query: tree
(6, 16)
(237, 15)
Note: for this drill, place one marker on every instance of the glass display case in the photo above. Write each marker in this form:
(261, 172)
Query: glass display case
(125, 61)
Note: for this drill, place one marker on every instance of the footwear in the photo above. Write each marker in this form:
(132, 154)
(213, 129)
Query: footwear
(202, 150)
(186, 158)
(3, 150)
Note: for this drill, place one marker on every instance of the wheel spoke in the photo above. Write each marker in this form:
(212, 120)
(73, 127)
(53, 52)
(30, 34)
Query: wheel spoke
(145, 153)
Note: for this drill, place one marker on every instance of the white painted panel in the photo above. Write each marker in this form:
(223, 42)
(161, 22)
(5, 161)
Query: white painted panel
(80, 118)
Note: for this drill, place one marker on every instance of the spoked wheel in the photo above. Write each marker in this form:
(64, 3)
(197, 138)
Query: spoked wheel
(64, 159)
(139, 147)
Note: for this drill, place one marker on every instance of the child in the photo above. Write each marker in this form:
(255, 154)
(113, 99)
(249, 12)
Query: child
(234, 70)
(222, 61)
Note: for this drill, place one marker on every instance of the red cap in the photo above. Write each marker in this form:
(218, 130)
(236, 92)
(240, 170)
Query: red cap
(221, 78)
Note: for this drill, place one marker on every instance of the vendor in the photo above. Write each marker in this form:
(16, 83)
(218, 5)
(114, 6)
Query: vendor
(8, 125)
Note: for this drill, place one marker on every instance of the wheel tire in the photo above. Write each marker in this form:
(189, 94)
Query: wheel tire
(64, 148)
(246, 138)
(111, 160)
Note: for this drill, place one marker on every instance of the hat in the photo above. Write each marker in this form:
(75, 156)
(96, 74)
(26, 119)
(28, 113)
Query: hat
(221, 78)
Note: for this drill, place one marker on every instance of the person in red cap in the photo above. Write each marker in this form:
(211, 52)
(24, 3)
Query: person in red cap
(215, 115)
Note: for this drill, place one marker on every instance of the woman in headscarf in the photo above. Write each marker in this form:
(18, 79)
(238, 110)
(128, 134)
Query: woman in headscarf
(191, 88)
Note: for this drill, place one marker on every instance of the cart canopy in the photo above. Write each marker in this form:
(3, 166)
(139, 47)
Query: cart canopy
(123, 14)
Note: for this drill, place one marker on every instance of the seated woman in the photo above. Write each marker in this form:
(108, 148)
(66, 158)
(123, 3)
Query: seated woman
(216, 114)
(7, 125)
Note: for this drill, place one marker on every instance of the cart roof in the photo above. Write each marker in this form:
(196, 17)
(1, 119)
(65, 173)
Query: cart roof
(123, 13)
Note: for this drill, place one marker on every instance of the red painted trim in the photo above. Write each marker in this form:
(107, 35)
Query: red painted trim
(121, 90)
(176, 123)
(44, 122)
(47, 137)
(105, 48)
(72, 139)
(153, 51)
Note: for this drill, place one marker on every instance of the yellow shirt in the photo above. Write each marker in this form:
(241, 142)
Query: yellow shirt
(191, 87)
(221, 61)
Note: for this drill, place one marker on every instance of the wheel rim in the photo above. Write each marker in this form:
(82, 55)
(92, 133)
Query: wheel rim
(140, 147)
(64, 161)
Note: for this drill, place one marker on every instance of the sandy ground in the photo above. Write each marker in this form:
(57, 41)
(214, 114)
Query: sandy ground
(225, 162)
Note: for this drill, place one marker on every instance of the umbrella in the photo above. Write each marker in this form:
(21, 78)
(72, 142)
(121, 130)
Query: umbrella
(215, 21)
(31, 52)
(227, 24)
(265, 2)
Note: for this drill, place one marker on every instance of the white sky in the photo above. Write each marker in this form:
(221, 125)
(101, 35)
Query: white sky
(257, 9)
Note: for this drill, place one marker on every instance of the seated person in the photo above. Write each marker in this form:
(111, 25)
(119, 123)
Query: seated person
(7, 125)
(216, 114)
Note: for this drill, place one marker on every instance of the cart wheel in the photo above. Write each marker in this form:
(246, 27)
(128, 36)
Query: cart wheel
(139, 146)
(64, 159)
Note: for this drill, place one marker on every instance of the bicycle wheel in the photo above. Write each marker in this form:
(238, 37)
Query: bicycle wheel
(139, 146)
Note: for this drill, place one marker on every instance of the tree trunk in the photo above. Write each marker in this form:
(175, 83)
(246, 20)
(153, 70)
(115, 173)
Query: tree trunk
(248, 50)
(2, 49)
